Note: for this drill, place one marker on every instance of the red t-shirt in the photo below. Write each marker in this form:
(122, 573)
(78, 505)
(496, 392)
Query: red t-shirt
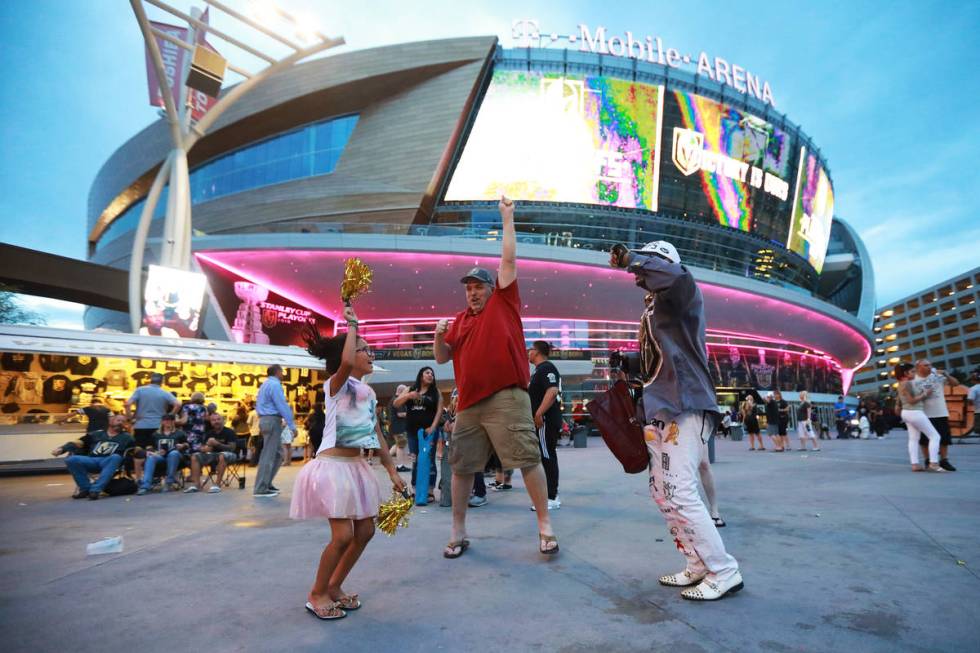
(489, 352)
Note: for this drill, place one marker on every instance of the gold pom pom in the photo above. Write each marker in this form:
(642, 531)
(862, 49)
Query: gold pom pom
(357, 279)
(394, 513)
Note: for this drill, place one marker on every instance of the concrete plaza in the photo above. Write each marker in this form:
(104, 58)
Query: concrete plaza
(842, 550)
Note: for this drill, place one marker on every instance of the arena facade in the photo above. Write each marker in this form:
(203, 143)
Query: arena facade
(397, 155)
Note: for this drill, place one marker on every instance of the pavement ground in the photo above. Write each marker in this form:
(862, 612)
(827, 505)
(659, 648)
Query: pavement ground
(841, 550)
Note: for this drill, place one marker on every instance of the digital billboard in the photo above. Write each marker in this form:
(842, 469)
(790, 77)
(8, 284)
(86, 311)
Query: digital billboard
(725, 165)
(548, 137)
(172, 302)
(813, 211)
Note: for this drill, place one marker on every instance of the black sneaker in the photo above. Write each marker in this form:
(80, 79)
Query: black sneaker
(945, 464)
(273, 488)
(93, 495)
(402, 468)
(80, 494)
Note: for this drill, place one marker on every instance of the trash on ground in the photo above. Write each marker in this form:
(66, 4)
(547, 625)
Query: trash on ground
(108, 545)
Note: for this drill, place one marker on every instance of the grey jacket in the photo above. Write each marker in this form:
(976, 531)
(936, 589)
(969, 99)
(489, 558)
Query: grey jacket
(679, 382)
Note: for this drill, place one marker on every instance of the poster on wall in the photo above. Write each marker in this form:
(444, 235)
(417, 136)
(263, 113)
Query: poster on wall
(547, 137)
(256, 314)
(813, 211)
(172, 302)
(725, 165)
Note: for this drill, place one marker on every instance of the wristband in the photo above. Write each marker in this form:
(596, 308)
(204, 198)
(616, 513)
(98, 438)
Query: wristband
(352, 324)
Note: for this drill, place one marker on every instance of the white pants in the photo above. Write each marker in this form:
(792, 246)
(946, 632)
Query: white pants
(804, 430)
(917, 422)
(676, 447)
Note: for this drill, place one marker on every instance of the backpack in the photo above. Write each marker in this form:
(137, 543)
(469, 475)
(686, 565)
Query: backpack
(120, 486)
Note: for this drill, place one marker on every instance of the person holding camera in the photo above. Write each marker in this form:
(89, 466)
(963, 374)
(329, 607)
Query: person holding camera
(681, 412)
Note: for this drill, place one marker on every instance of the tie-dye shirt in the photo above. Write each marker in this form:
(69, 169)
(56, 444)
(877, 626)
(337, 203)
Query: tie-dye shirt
(350, 417)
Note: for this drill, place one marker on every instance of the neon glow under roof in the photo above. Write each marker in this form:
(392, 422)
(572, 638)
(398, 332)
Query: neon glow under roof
(425, 285)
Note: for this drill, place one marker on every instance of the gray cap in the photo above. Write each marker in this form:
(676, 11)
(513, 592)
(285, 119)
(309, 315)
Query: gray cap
(478, 274)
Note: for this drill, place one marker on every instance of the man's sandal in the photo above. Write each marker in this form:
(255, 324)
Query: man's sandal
(451, 549)
(326, 612)
(544, 540)
(349, 602)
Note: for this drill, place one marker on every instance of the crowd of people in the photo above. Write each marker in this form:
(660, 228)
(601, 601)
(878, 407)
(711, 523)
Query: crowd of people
(500, 418)
(157, 440)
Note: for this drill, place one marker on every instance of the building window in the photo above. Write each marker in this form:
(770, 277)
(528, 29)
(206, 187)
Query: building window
(309, 151)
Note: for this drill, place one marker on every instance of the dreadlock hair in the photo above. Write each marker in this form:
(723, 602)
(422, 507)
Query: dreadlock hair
(330, 350)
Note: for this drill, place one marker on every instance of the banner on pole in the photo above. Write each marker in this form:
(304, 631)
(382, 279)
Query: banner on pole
(175, 60)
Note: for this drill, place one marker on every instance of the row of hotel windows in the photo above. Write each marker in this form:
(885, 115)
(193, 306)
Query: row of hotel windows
(308, 151)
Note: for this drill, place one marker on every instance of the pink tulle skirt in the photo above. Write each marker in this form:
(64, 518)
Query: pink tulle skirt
(334, 487)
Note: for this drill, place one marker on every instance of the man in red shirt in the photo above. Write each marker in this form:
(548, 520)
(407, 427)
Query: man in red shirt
(486, 344)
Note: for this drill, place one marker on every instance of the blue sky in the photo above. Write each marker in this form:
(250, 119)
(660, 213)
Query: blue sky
(888, 90)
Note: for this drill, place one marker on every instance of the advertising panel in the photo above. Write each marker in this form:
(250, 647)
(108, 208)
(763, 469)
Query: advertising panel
(257, 314)
(725, 165)
(813, 211)
(172, 302)
(175, 60)
(559, 138)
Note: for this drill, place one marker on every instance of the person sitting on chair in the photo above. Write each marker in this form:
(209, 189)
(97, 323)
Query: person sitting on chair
(218, 449)
(104, 454)
(169, 444)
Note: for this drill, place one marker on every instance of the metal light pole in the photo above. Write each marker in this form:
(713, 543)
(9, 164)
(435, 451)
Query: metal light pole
(184, 132)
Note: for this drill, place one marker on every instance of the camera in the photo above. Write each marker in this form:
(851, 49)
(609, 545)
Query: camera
(627, 362)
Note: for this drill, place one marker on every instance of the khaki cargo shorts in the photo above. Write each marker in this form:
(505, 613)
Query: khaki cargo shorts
(501, 423)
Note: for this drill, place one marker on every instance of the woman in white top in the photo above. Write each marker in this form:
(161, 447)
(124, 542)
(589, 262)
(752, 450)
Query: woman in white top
(915, 419)
(338, 484)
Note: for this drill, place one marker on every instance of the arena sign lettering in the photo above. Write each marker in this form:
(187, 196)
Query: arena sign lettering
(690, 155)
(526, 33)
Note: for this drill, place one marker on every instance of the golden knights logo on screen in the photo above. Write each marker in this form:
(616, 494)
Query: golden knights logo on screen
(687, 151)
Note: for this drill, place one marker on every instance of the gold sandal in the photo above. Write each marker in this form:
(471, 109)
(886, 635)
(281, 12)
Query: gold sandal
(326, 612)
(349, 602)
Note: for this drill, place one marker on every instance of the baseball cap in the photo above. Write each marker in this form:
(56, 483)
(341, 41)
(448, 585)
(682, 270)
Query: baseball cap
(477, 274)
(662, 248)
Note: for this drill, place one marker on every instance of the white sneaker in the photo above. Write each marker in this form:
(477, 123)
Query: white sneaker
(554, 504)
(682, 579)
(191, 490)
(711, 590)
(214, 489)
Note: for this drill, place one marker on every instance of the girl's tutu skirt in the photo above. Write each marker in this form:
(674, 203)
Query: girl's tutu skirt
(334, 487)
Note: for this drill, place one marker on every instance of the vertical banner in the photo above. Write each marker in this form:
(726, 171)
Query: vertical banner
(174, 59)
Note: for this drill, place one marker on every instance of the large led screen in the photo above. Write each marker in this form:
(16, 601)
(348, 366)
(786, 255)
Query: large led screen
(725, 165)
(813, 211)
(559, 138)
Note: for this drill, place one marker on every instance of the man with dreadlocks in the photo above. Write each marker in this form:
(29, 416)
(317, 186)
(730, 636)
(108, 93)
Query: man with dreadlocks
(681, 412)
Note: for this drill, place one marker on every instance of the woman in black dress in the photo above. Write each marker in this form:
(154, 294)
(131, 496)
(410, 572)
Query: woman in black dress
(751, 423)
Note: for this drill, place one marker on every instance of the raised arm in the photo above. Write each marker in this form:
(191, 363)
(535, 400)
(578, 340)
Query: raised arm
(441, 351)
(349, 354)
(508, 251)
(652, 272)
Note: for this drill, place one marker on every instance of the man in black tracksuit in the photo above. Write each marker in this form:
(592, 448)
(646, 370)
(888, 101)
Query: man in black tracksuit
(545, 392)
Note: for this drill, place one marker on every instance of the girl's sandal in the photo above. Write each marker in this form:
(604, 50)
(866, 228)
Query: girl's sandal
(544, 540)
(456, 549)
(349, 602)
(326, 612)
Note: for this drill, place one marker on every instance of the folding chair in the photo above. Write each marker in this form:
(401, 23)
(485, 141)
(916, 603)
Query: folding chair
(234, 469)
